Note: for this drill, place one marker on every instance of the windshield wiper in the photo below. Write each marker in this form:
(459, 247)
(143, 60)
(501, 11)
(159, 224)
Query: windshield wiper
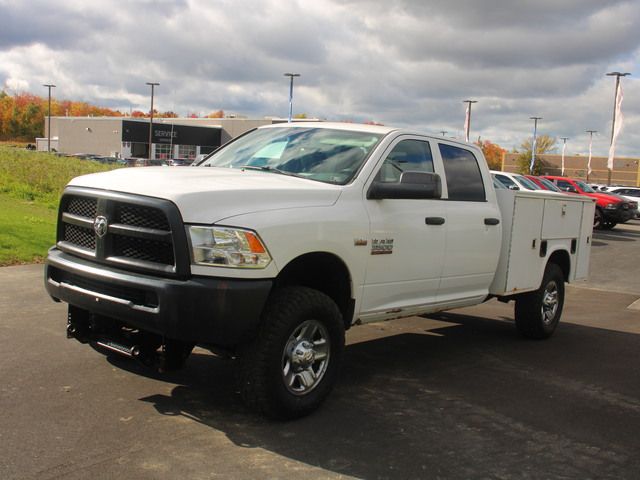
(267, 168)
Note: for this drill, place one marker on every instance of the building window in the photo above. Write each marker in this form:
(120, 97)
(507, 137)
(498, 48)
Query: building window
(163, 152)
(187, 151)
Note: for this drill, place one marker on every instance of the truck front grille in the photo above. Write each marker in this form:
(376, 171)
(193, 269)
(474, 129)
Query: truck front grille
(84, 207)
(142, 217)
(142, 249)
(140, 232)
(80, 236)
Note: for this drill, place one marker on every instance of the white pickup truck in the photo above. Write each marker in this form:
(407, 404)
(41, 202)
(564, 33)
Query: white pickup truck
(280, 241)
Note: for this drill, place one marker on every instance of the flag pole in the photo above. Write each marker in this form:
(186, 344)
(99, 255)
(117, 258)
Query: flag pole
(564, 146)
(617, 108)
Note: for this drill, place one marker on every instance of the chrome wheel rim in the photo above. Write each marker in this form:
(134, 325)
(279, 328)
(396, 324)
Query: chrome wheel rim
(550, 303)
(597, 219)
(306, 357)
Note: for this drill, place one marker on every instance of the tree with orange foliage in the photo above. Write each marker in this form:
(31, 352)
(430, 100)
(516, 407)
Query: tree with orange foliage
(217, 114)
(493, 153)
(22, 115)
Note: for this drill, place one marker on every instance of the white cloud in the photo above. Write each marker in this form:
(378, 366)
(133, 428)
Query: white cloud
(399, 62)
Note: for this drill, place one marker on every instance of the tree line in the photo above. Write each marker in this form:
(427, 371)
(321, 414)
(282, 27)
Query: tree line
(22, 115)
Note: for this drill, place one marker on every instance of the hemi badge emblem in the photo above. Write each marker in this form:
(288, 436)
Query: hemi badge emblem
(100, 226)
(360, 242)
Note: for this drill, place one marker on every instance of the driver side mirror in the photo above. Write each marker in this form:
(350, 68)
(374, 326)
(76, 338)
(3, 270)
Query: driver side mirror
(412, 186)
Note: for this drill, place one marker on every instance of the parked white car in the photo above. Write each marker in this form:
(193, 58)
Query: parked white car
(630, 193)
(515, 181)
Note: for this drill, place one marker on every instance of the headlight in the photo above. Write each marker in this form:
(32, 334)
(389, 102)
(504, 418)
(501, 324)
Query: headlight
(227, 247)
(611, 206)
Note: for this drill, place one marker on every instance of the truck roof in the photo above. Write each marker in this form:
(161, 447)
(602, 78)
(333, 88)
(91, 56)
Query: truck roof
(361, 127)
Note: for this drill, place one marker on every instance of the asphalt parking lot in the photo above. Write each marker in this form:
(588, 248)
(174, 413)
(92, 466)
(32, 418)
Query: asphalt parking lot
(455, 395)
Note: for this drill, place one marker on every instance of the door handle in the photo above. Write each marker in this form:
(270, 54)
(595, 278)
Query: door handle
(434, 221)
(491, 221)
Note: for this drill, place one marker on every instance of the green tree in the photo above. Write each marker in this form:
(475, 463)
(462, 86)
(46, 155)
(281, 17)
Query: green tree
(32, 121)
(544, 144)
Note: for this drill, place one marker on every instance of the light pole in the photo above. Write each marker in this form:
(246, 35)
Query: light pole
(49, 86)
(613, 123)
(467, 119)
(564, 146)
(443, 132)
(590, 132)
(534, 143)
(291, 75)
(152, 84)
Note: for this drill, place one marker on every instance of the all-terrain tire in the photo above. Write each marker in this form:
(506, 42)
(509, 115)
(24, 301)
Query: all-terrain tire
(598, 219)
(294, 361)
(537, 313)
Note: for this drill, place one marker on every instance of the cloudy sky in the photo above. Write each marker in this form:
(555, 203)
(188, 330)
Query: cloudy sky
(397, 62)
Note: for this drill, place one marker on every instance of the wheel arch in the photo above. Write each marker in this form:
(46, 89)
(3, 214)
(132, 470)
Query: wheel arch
(325, 272)
(563, 260)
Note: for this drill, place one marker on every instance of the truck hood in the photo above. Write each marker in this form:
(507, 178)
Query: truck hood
(209, 195)
(604, 198)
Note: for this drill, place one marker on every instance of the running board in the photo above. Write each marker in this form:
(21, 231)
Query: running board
(128, 351)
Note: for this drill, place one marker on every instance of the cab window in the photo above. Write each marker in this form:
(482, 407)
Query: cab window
(464, 179)
(406, 156)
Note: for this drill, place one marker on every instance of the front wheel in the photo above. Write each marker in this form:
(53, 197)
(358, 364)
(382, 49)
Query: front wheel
(292, 365)
(538, 313)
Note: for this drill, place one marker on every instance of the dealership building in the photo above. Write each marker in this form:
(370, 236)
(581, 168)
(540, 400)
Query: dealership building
(125, 137)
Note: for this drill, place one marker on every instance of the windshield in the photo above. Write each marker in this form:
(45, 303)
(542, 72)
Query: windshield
(322, 154)
(526, 183)
(584, 187)
(549, 184)
(497, 184)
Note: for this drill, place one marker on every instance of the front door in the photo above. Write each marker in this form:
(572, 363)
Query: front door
(407, 238)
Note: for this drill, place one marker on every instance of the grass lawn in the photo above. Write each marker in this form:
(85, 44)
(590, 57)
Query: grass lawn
(30, 188)
(27, 230)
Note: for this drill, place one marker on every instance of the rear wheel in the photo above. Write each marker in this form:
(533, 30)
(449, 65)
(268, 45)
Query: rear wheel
(597, 219)
(538, 313)
(293, 363)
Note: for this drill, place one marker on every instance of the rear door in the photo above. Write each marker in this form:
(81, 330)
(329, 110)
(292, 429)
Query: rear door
(473, 234)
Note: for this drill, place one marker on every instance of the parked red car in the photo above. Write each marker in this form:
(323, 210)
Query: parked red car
(544, 183)
(610, 209)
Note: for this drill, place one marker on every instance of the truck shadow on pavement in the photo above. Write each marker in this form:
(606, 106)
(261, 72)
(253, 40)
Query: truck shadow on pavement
(470, 399)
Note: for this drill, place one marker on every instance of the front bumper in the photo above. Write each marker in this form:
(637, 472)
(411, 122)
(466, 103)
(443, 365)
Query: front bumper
(618, 215)
(202, 310)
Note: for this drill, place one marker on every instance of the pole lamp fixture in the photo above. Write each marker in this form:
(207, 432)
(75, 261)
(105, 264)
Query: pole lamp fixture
(613, 123)
(49, 86)
(534, 143)
(467, 120)
(291, 75)
(152, 84)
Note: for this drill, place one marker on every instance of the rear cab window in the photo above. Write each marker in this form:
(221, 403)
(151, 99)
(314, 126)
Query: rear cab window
(463, 175)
